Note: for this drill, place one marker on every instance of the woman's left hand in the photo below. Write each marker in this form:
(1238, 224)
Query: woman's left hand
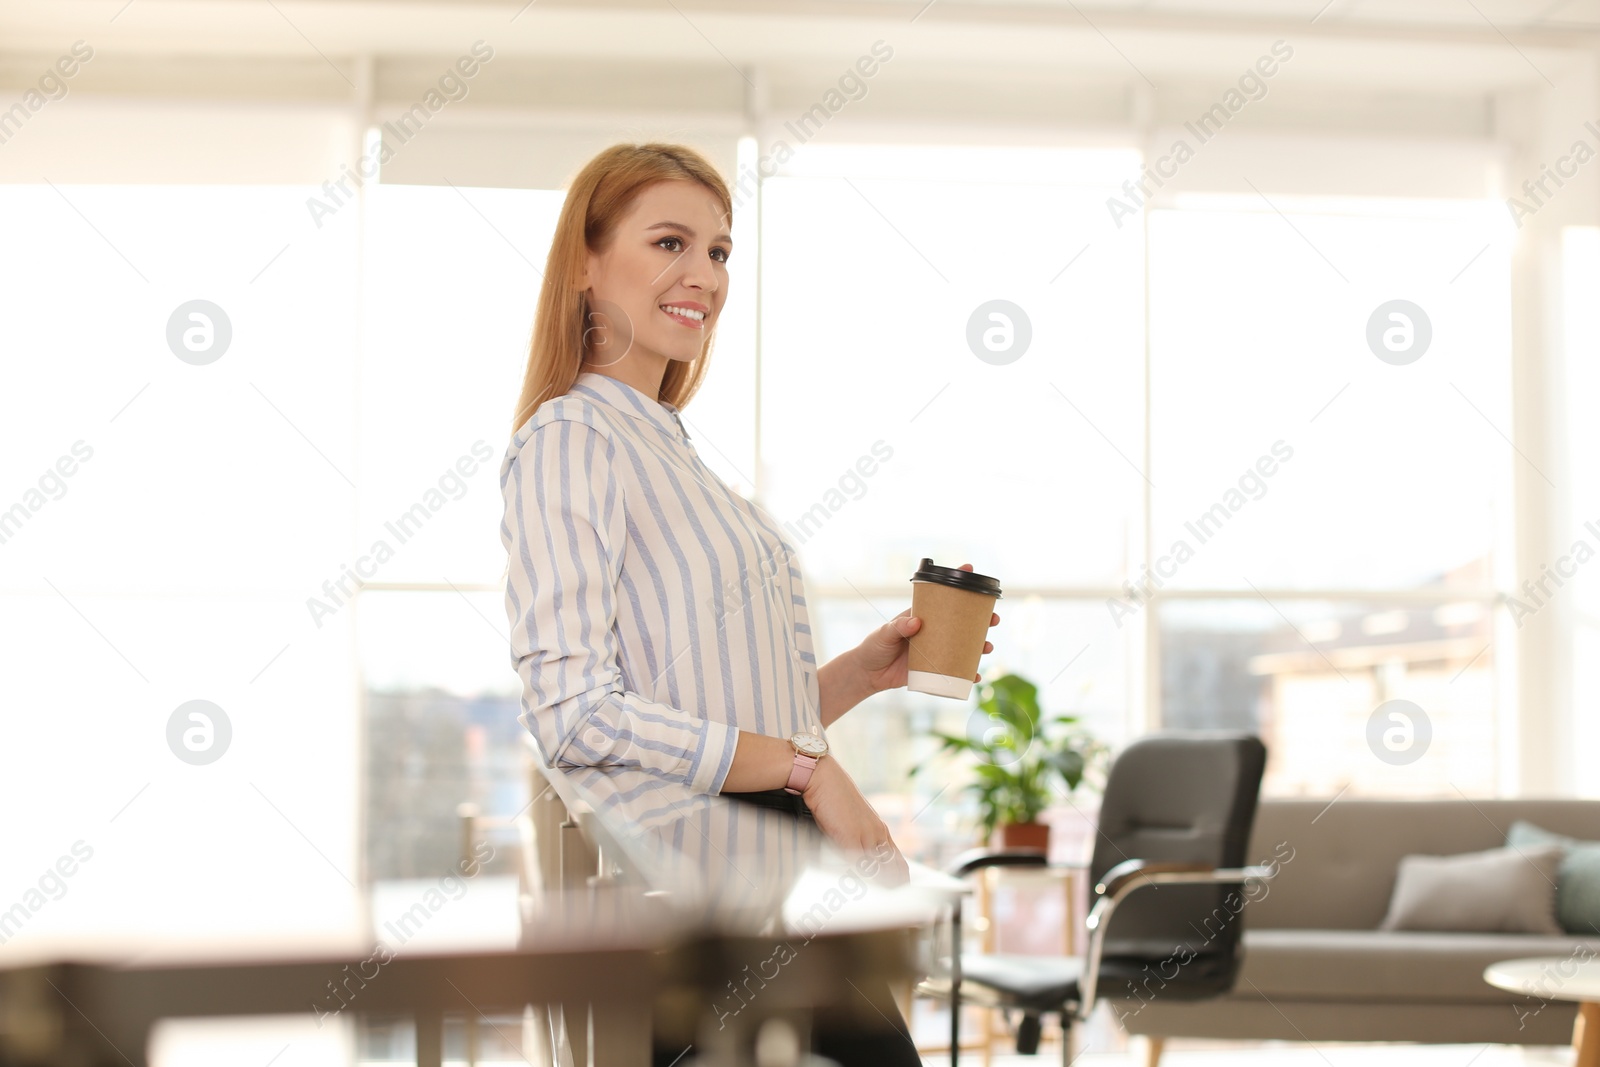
(882, 657)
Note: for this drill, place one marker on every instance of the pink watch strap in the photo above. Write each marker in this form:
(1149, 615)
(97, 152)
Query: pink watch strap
(800, 776)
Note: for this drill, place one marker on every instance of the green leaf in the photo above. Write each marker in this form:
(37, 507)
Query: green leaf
(1020, 754)
(1070, 764)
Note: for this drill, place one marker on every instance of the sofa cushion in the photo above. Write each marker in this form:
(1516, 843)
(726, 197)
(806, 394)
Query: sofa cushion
(1369, 965)
(1578, 880)
(1498, 890)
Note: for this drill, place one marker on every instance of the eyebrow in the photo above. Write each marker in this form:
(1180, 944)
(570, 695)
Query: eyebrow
(687, 230)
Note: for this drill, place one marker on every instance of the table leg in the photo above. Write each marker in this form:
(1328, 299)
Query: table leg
(430, 1038)
(955, 984)
(1586, 1035)
(621, 1035)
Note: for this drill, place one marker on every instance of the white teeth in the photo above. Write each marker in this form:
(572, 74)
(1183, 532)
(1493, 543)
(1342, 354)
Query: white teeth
(698, 316)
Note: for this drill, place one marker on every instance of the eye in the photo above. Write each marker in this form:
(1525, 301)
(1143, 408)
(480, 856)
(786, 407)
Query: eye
(674, 240)
(725, 253)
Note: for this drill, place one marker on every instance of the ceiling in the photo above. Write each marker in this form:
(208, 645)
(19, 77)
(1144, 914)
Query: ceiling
(769, 26)
(1426, 47)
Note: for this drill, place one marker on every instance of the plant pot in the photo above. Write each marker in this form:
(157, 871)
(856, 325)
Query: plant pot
(1025, 835)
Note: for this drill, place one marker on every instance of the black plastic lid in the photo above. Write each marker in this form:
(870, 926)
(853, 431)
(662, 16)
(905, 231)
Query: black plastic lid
(955, 576)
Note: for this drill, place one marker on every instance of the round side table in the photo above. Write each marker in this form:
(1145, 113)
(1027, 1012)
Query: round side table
(1573, 977)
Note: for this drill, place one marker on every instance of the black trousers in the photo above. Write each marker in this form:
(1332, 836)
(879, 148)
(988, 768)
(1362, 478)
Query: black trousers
(777, 800)
(848, 1048)
(838, 1037)
(873, 1035)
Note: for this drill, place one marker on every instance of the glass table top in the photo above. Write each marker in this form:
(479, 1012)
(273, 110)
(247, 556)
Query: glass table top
(719, 862)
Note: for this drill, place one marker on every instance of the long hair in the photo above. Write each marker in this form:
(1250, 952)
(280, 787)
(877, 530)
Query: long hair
(597, 199)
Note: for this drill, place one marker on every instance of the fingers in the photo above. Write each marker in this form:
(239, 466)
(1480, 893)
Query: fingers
(904, 624)
(895, 872)
(988, 646)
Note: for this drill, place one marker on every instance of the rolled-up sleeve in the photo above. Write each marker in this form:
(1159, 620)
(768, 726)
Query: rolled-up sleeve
(565, 532)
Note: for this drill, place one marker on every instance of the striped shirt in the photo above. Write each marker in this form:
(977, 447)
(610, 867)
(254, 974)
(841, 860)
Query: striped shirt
(654, 612)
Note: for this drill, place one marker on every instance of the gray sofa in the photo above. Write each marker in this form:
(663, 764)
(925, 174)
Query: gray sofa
(1316, 967)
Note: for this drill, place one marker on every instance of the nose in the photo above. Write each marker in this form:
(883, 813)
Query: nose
(698, 273)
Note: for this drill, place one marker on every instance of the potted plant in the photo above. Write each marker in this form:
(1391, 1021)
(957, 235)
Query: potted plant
(1020, 759)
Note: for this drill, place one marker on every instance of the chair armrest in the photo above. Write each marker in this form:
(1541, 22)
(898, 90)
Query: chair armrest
(1127, 870)
(1124, 879)
(979, 858)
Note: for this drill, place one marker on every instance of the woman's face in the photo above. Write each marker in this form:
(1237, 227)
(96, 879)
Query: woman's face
(670, 250)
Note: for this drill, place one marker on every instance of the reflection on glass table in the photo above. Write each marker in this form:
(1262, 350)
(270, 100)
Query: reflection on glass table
(765, 879)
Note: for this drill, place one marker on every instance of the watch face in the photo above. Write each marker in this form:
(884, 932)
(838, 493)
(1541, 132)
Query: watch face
(809, 745)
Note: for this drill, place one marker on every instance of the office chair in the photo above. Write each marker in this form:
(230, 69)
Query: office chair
(1176, 817)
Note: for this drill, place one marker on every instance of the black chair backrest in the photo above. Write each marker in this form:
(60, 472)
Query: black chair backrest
(1180, 797)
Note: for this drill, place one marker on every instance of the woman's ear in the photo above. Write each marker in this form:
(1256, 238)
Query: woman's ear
(586, 273)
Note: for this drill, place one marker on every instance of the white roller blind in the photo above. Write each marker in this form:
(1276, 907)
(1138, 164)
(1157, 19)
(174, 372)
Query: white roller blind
(1233, 161)
(522, 155)
(129, 141)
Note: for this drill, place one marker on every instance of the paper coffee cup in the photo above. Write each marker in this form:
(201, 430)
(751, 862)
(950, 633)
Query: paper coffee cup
(954, 606)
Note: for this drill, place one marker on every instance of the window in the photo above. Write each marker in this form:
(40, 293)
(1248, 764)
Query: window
(174, 561)
(1581, 338)
(1292, 458)
(1328, 529)
(881, 266)
(454, 275)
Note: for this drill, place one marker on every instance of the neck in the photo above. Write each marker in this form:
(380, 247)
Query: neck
(642, 370)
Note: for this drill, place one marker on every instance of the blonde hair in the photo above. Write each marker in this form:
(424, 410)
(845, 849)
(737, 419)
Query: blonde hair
(597, 199)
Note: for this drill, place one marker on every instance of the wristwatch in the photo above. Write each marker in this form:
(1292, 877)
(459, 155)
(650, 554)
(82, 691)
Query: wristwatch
(808, 749)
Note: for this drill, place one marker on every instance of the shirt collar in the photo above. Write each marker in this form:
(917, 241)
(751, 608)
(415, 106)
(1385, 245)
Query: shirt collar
(630, 401)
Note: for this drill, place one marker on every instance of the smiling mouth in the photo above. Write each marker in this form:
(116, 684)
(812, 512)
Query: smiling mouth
(685, 316)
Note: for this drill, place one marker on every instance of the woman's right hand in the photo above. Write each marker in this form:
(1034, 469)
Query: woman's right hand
(844, 815)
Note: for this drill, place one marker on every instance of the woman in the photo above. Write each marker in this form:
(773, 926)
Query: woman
(659, 619)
